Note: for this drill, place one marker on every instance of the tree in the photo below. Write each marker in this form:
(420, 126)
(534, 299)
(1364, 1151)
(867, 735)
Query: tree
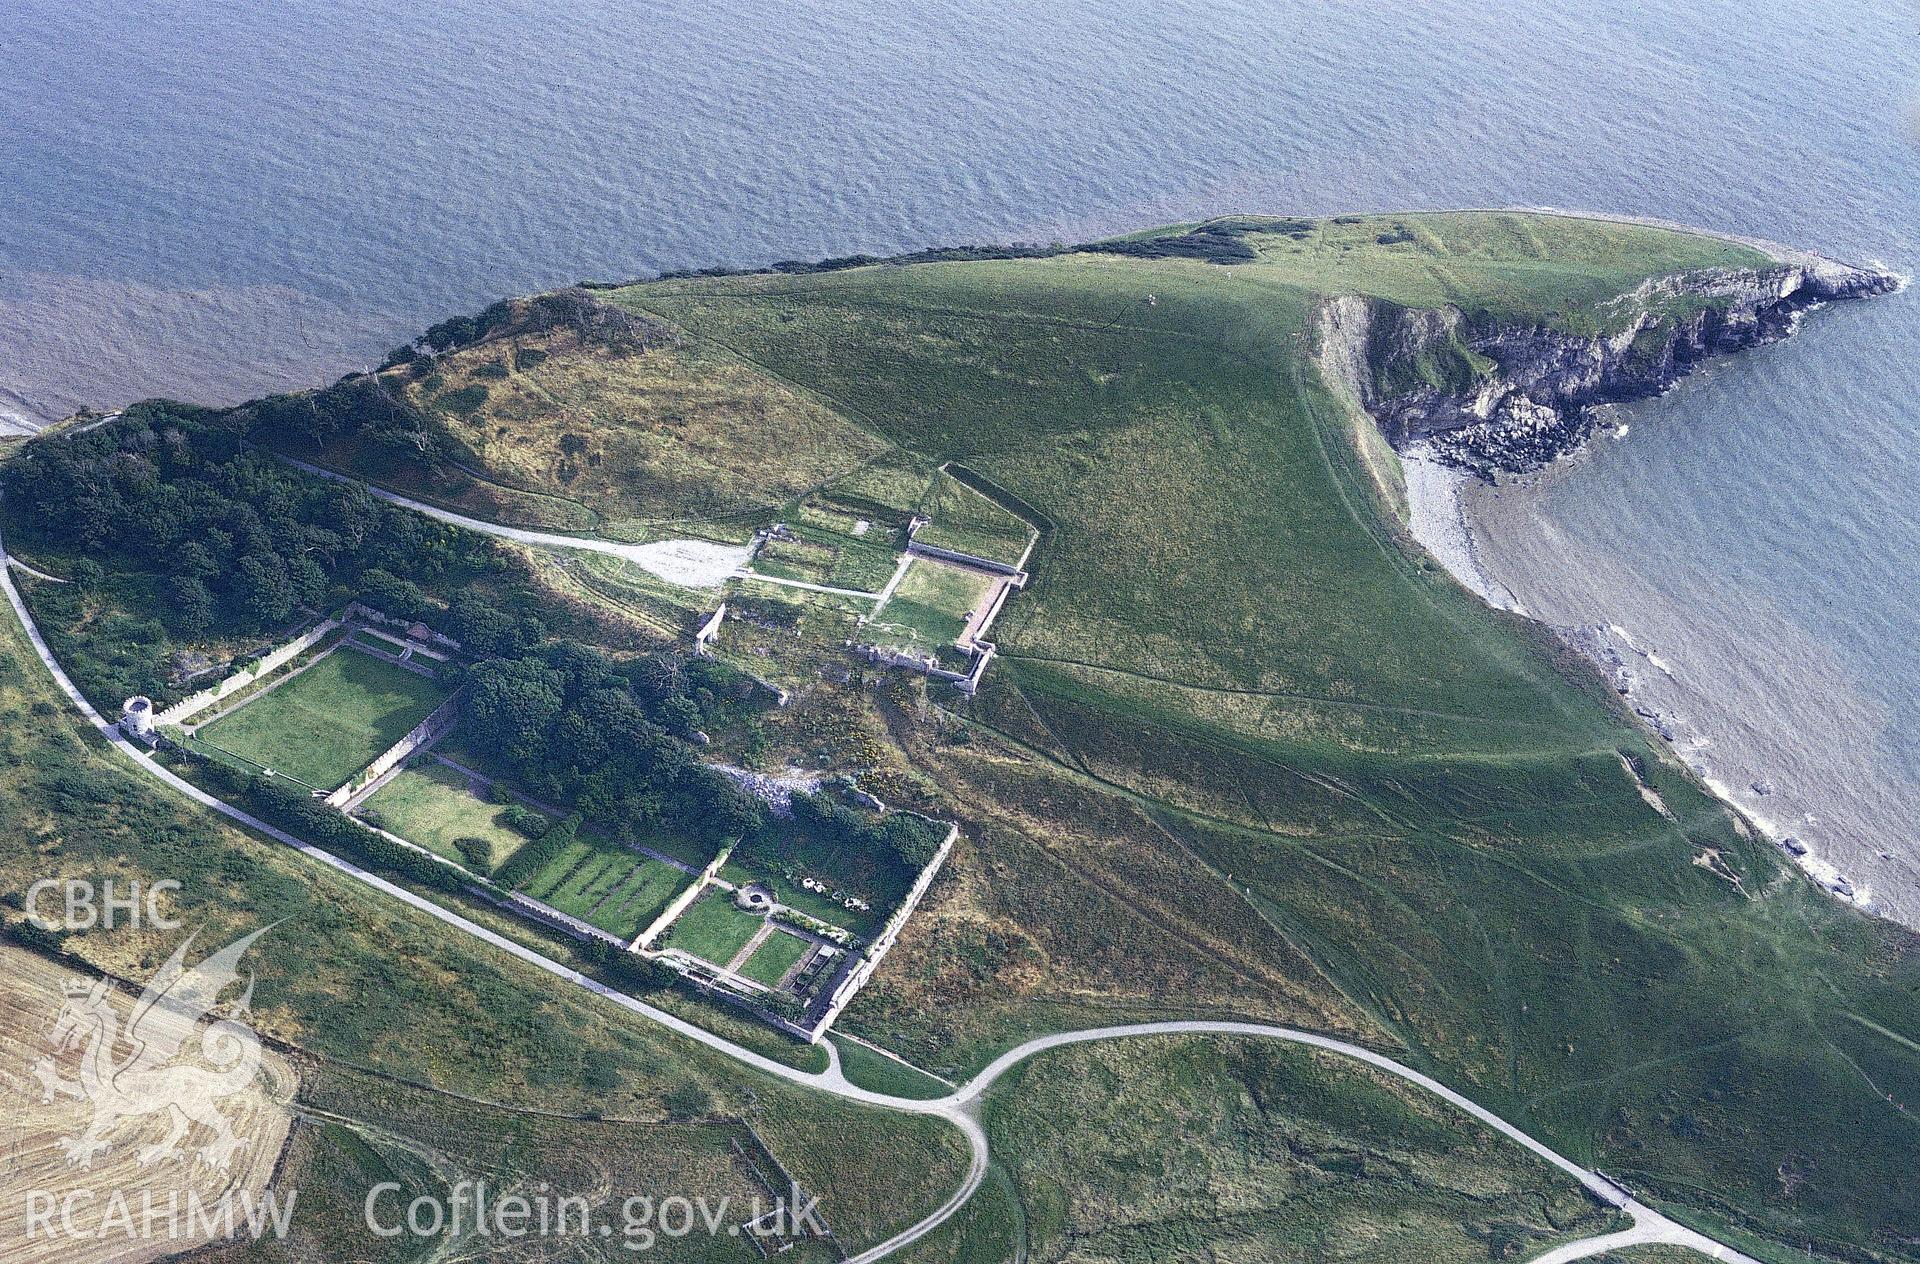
(482, 628)
(308, 580)
(730, 810)
(680, 716)
(192, 559)
(192, 605)
(264, 591)
(391, 595)
(511, 705)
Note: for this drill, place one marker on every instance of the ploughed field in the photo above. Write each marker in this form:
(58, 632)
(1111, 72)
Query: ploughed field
(32, 997)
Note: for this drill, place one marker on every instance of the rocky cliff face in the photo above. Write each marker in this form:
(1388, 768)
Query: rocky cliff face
(1494, 397)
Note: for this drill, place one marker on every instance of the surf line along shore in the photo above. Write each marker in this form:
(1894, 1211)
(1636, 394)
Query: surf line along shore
(1535, 408)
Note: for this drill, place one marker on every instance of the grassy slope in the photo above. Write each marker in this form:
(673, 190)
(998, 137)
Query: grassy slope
(964, 520)
(580, 437)
(1206, 1149)
(352, 976)
(1227, 664)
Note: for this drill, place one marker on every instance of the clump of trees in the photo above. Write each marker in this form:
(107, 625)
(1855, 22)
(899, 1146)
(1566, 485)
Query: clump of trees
(612, 740)
(240, 542)
(903, 837)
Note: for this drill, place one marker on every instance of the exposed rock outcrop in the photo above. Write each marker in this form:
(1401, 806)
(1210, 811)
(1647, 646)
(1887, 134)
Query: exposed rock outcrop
(1492, 396)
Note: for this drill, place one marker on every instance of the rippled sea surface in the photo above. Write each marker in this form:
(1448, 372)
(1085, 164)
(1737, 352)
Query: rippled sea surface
(208, 200)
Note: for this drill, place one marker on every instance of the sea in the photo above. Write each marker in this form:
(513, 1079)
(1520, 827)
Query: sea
(209, 199)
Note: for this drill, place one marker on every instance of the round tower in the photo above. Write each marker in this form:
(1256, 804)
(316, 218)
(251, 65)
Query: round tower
(136, 717)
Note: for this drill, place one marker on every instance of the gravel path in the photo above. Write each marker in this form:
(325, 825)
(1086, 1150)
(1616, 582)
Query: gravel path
(687, 563)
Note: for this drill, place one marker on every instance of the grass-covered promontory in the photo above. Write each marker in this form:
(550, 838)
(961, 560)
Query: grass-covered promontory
(1245, 751)
(1248, 751)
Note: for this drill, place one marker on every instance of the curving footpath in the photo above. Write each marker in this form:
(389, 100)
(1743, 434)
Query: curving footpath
(961, 1107)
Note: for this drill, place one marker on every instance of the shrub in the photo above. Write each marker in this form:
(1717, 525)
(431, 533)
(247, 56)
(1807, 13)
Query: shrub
(477, 852)
(466, 398)
(539, 853)
(626, 969)
(522, 820)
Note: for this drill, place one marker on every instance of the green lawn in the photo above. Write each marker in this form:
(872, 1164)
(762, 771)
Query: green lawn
(772, 959)
(929, 610)
(433, 805)
(713, 929)
(330, 721)
(617, 890)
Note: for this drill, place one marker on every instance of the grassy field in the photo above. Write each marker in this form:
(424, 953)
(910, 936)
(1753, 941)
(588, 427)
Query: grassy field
(619, 891)
(328, 722)
(930, 608)
(773, 958)
(434, 805)
(363, 1129)
(712, 929)
(1246, 751)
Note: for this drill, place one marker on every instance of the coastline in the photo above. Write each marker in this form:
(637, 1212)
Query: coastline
(1437, 517)
(1473, 445)
(1447, 518)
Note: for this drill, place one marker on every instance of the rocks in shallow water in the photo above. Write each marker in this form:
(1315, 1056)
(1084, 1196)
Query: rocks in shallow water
(1762, 787)
(1659, 721)
(1793, 846)
(1594, 642)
